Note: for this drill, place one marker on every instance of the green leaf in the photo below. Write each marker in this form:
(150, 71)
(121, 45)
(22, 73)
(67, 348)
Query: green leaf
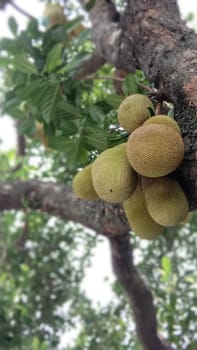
(72, 24)
(76, 62)
(12, 25)
(53, 58)
(4, 61)
(167, 268)
(36, 343)
(83, 36)
(130, 85)
(27, 127)
(48, 105)
(67, 107)
(89, 5)
(69, 127)
(114, 100)
(24, 268)
(24, 42)
(73, 149)
(9, 45)
(22, 64)
(95, 137)
(96, 113)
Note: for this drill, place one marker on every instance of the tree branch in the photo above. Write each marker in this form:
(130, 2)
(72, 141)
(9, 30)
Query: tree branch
(20, 10)
(151, 36)
(59, 200)
(139, 295)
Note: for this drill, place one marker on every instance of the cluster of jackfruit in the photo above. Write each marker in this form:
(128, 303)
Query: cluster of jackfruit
(138, 172)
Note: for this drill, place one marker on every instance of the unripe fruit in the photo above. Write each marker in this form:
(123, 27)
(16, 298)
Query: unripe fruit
(82, 184)
(138, 217)
(54, 15)
(155, 150)
(133, 111)
(40, 134)
(165, 200)
(164, 119)
(113, 178)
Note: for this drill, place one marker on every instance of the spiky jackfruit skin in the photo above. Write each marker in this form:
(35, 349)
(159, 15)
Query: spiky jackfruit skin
(138, 217)
(164, 119)
(54, 15)
(165, 200)
(155, 150)
(133, 111)
(83, 186)
(113, 178)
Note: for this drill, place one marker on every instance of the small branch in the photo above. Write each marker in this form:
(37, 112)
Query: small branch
(21, 143)
(139, 295)
(91, 66)
(114, 78)
(158, 108)
(20, 10)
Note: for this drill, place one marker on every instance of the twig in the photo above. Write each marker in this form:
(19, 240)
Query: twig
(158, 108)
(103, 77)
(19, 9)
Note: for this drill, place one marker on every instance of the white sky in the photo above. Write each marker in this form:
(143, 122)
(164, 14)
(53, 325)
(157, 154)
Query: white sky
(96, 289)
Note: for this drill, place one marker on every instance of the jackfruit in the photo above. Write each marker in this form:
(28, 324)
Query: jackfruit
(165, 200)
(155, 150)
(133, 111)
(113, 178)
(41, 135)
(164, 119)
(82, 184)
(53, 15)
(138, 217)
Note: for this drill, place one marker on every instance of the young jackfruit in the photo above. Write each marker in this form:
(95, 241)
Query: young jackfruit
(165, 200)
(82, 184)
(164, 119)
(155, 150)
(41, 135)
(134, 111)
(138, 217)
(113, 178)
(53, 15)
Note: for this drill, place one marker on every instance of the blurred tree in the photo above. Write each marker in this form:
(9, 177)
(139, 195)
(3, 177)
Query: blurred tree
(62, 84)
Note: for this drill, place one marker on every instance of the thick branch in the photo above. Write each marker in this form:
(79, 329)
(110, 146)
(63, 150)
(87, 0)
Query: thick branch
(151, 36)
(139, 295)
(59, 200)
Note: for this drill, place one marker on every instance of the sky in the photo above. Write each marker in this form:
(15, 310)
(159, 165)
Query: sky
(94, 284)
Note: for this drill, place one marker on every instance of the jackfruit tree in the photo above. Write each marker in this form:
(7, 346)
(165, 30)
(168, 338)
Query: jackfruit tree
(103, 97)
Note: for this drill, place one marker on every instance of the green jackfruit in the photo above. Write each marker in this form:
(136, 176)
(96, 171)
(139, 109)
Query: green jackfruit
(113, 178)
(165, 200)
(155, 150)
(134, 111)
(164, 119)
(82, 184)
(138, 217)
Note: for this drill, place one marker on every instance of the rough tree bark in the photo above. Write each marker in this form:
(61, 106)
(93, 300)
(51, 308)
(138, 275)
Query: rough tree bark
(139, 295)
(151, 36)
